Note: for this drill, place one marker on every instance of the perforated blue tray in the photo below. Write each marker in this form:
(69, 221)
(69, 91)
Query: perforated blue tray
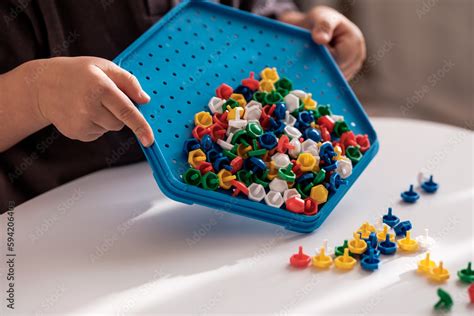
(198, 45)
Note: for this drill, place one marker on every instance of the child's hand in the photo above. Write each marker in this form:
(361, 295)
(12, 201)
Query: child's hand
(332, 29)
(85, 97)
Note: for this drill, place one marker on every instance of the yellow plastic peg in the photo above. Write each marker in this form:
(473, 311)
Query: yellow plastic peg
(357, 245)
(196, 157)
(309, 103)
(439, 273)
(270, 74)
(366, 229)
(408, 244)
(239, 98)
(322, 260)
(266, 86)
(203, 119)
(225, 179)
(425, 265)
(306, 161)
(319, 193)
(345, 262)
(382, 235)
(236, 113)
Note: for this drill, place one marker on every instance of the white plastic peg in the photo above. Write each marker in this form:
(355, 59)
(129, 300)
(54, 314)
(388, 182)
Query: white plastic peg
(292, 102)
(274, 199)
(224, 145)
(425, 241)
(344, 167)
(256, 192)
(328, 250)
(292, 132)
(281, 160)
(215, 105)
(310, 146)
(278, 185)
(290, 120)
(299, 93)
(290, 193)
(252, 113)
(296, 148)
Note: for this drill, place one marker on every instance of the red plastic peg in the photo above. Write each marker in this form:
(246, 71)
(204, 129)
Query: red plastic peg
(325, 135)
(470, 291)
(300, 259)
(217, 132)
(220, 119)
(296, 168)
(264, 122)
(268, 110)
(239, 187)
(348, 139)
(295, 205)
(251, 82)
(224, 91)
(236, 164)
(327, 122)
(200, 131)
(310, 207)
(364, 142)
(205, 167)
(284, 144)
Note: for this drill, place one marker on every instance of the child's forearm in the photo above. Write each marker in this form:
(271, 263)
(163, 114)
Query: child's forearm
(19, 113)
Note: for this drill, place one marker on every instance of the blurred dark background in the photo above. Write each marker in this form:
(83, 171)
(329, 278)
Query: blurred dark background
(420, 57)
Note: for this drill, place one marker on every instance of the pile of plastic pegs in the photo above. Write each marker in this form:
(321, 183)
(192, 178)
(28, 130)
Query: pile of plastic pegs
(387, 237)
(269, 142)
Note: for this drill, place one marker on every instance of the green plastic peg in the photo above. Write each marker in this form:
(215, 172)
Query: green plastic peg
(230, 104)
(354, 154)
(341, 127)
(254, 130)
(258, 180)
(324, 109)
(259, 96)
(466, 275)
(238, 136)
(287, 174)
(244, 176)
(258, 152)
(192, 176)
(445, 301)
(283, 92)
(229, 154)
(210, 181)
(315, 113)
(284, 83)
(302, 191)
(273, 97)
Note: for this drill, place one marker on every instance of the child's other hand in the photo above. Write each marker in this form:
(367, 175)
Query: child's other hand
(85, 97)
(332, 29)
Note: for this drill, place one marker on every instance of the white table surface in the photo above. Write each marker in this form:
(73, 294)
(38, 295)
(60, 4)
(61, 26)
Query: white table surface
(111, 243)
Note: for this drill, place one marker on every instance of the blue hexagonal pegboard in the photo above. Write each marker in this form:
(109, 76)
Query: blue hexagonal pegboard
(198, 45)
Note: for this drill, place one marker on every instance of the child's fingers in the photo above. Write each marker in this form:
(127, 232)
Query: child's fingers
(294, 18)
(325, 21)
(125, 81)
(125, 111)
(346, 54)
(107, 120)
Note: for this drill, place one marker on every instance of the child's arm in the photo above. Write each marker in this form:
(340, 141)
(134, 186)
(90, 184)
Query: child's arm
(84, 97)
(332, 29)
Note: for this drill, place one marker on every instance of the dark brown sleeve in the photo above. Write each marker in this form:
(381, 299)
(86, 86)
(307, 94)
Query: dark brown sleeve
(20, 35)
